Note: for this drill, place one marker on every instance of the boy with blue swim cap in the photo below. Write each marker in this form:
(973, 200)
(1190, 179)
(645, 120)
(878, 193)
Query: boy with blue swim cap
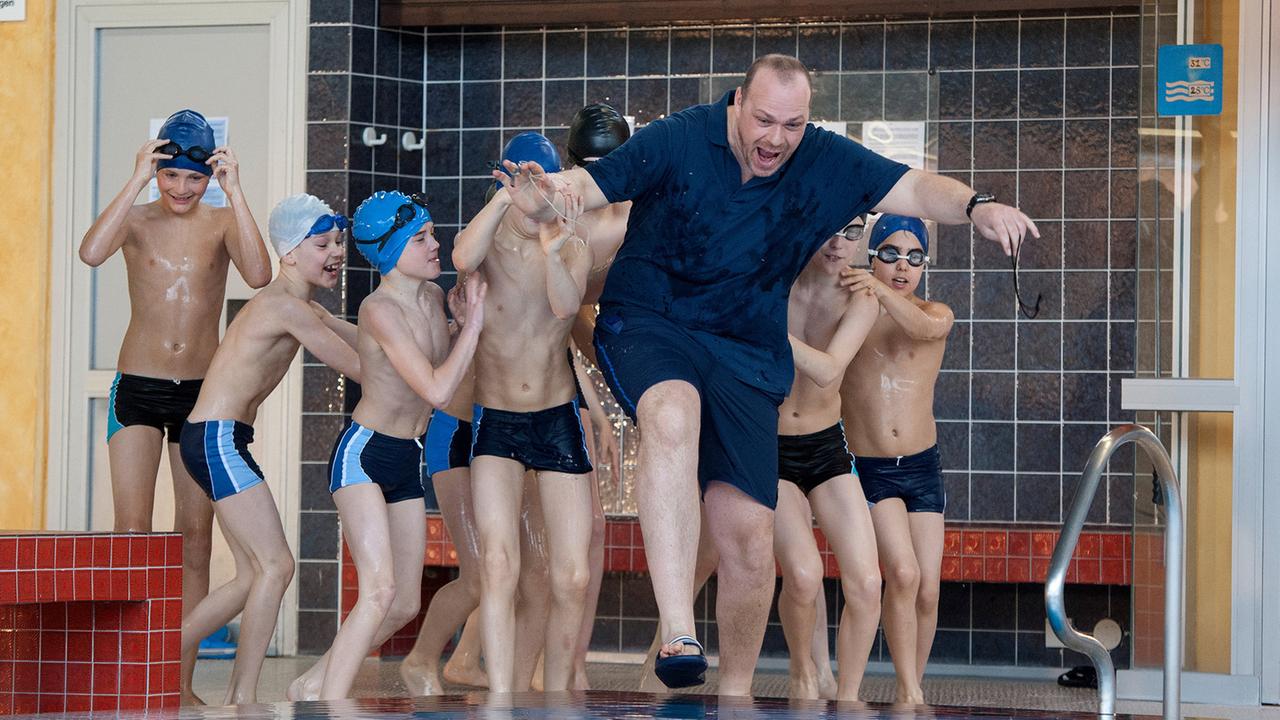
(176, 251)
(526, 418)
(409, 364)
(259, 347)
(887, 406)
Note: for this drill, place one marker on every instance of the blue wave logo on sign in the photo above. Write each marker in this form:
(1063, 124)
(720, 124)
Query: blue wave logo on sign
(1189, 80)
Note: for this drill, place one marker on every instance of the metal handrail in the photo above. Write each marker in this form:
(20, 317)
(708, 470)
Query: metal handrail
(1055, 583)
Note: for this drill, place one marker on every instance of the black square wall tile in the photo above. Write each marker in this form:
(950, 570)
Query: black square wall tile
(1039, 345)
(991, 447)
(1088, 41)
(690, 51)
(1086, 295)
(482, 56)
(1078, 441)
(1124, 92)
(953, 245)
(329, 49)
(1124, 143)
(1124, 193)
(780, 40)
(995, 95)
(952, 289)
(411, 110)
(819, 47)
(605, 635)
(1087, 143)
(316, 630)
(1097, 507)
(1041, 43)
(1125, 40)
(327, 97)
(683, 93)
(1124, 244)
(956, 487)
(363, 50)
(481, 105)
(1084, 346)
(824, 103)
(317, 585)
(990, 497)
(1032, 651)
(993, 395)
(565, 54)
(993, 345)
(606, 53)
(442, 197)
(1040, 93)
(950, 646)
(1087, 92)
(861, 97)
(522, 103)
(1039, 396)
(647, 52)
(995, 44)
(327, 146)
(443, 57)
(362, 99)
(330, 11)
(951, 396)
(563, 100)
(906, 46)
(951, 45)
(1040, 144)
(386, 102)
(1039, 498)
(1044, 252)
(955, 603)
(613, 92)
(387, 53)
(1120, 500)
(1084, 396)
(1040, 197)
(995, 145)
(412, 56)
(732, 49)
(647, 99)
(441, 152)
(364, 12)
(955, 95)
(993, 295)
(995, 605)
(522, 55)
(473, 192)
(479, 148)
(1087, 193)
(1122, 346)
(318, 536)
(953, 444)
(637, 634)
(862, 47)
(318, 434)
(1038, 448)
(906, 96)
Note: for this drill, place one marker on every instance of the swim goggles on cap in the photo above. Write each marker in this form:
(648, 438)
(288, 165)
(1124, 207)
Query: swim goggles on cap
(404, 215)
(325, 223)
(195, 152)
(853, 231)
(889, 255)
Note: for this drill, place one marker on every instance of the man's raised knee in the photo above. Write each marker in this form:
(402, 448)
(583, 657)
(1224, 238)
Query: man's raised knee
(669, 415)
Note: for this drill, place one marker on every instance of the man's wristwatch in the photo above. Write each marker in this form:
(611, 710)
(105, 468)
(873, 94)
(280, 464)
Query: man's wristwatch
(976, 200)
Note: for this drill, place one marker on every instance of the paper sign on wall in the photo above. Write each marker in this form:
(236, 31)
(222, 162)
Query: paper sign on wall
(213, 196)
(13, 10)
(897, 140)
(1189, 80)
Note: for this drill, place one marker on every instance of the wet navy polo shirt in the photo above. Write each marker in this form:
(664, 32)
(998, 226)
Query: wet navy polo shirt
(718, 257)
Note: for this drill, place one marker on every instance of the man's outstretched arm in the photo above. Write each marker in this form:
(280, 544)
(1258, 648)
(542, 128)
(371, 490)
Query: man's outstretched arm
(943, 199)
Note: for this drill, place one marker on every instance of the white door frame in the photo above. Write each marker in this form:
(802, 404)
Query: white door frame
(77, 25)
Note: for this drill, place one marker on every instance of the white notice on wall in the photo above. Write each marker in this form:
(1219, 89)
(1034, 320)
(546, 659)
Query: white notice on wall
(897, 140)
(13, 10)
(213, 196)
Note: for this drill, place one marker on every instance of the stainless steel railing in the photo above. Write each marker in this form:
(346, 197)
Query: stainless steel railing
(1055, 583)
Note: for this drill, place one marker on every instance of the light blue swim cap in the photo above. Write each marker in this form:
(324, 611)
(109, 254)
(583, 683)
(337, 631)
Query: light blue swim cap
(383, 224)
(888, 224)
(188, 129)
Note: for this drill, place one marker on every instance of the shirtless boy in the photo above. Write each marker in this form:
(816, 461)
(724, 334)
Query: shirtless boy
(176, 252)
(887, 405)
(375, 469)
(257, 351)
(827, 325)
(526, 417)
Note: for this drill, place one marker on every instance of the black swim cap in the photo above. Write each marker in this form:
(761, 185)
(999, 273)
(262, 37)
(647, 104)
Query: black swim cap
(594, 132)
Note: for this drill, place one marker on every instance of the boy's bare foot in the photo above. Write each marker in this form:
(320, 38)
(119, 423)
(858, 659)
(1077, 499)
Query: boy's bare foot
(911, 696)
(804, 686)
(827, 686)
(465, 674)
(420, 679)
(580, 681)
(303, 688)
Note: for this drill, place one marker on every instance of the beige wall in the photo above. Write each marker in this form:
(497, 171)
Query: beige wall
(26, 136)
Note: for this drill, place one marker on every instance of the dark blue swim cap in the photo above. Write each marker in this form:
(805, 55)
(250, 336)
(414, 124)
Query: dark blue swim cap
(888, 224)
(532, 147)
(188, 129)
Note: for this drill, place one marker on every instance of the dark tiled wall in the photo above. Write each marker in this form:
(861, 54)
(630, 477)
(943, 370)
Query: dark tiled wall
(1042, 110)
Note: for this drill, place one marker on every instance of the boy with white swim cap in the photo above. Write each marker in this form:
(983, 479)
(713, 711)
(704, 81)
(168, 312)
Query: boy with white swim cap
(176, 252)
(258, 349)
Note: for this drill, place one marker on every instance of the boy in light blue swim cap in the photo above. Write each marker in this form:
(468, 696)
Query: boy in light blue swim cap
(887, 405)
(177, 251)
(259, 348)
(410, 364)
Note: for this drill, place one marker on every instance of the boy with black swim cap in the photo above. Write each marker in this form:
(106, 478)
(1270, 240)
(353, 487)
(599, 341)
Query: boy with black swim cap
(887, 405)
(258, 350)
(176, 252)
(526, 415)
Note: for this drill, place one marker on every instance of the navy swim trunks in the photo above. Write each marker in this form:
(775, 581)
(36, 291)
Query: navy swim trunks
(161, 404)
(814, 458)
(362, 456)
(552, 439)
(216, 453)
(448, 443)
(738, 443)
(914, 479)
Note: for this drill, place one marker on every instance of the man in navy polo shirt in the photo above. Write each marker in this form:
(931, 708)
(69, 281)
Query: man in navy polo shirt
(729, 201)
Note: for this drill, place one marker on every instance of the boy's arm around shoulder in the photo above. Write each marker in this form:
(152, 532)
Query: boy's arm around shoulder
(827, 367)
(387, 325)
(301, 321)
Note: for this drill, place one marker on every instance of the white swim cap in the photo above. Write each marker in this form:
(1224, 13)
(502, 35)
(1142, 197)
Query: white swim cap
(292, 219)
